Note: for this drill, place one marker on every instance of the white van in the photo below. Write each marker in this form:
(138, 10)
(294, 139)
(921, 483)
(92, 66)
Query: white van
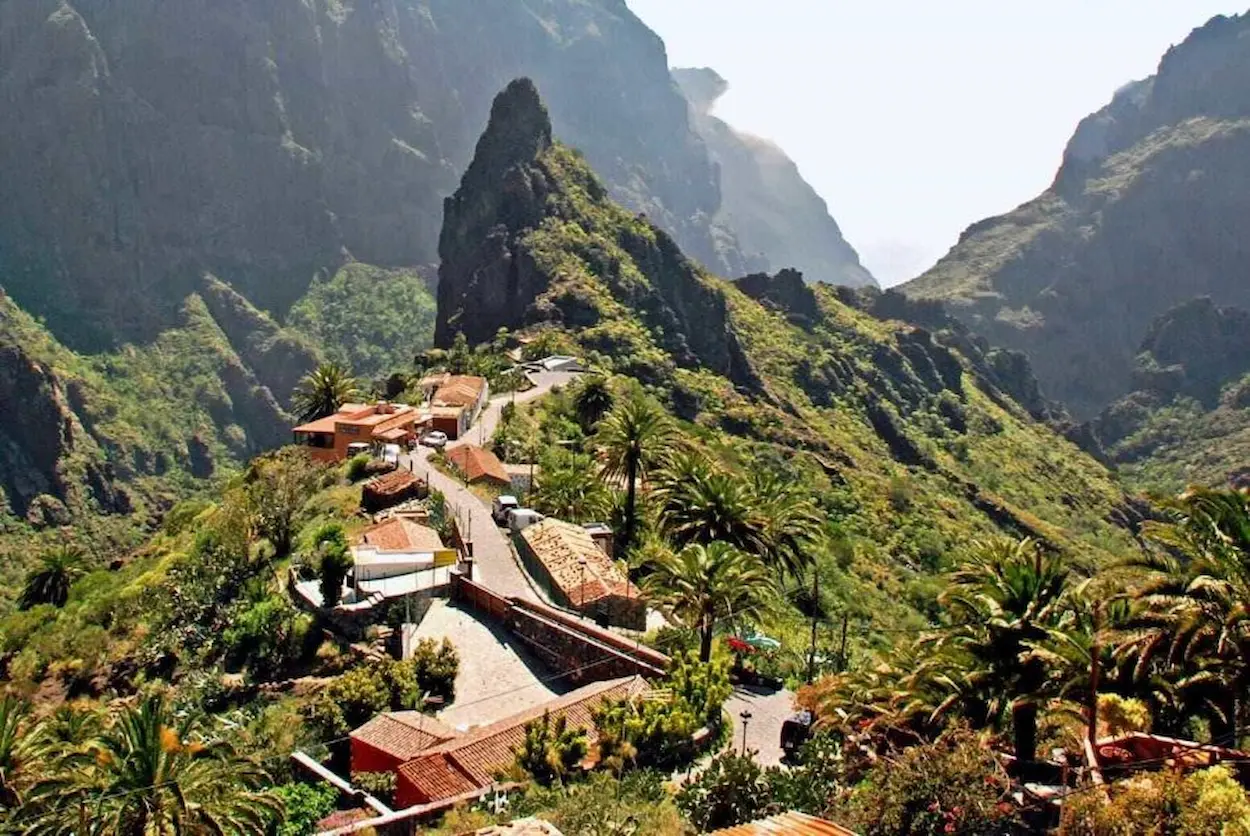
(520, 519)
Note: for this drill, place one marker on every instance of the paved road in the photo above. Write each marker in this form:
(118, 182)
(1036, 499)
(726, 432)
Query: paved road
(495, 565)
(769, 709)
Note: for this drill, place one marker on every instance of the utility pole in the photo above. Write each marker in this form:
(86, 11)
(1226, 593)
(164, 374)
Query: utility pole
(1095, 674)
(811, 655)
(842, 645)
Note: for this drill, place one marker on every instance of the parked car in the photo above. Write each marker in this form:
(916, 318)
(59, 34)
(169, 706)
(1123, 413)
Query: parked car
(795, 731)
(359, 448)
(501, 506)
(520, 519)
(435, 438)
(390, 454)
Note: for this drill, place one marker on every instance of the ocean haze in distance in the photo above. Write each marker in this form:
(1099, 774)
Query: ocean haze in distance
(915, 119)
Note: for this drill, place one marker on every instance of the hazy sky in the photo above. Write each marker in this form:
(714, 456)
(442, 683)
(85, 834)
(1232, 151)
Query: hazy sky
(915, 118)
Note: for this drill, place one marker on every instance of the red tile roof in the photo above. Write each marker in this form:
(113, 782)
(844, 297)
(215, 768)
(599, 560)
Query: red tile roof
(787, 824)
(480, 755)
(459, 390)
(559, 546)
(476, 464)
(399, 534)
(403, 734)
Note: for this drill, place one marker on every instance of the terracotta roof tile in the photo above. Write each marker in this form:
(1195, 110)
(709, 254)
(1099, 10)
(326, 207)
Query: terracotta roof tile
(787, 824)
(459, 390)
(400, 535)
(483, 753)
(559, 546)
(403, 734)
(476, 463)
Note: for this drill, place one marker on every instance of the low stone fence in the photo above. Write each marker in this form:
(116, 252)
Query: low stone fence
(575, 651)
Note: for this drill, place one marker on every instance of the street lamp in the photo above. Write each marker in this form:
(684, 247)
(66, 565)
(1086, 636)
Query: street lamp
(746, 718)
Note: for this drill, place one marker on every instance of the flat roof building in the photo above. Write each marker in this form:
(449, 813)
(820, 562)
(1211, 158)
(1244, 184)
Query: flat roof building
(381, 423)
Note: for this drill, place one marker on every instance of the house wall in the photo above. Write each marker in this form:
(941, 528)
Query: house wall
(454, 427)
(367, 758)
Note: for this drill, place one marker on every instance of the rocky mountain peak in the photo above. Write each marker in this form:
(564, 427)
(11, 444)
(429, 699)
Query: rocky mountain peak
(518, 131)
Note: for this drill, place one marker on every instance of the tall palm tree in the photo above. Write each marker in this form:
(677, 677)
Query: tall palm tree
(702, 585)
(1193, 609)
(760, 514)
(56, 572)
(594, 399)
(153, 773)
(1002, 600)
(567, 488)
(323, 391)
(632, 439)
(19, 748)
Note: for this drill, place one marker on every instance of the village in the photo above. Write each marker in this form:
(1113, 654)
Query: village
(545, 621)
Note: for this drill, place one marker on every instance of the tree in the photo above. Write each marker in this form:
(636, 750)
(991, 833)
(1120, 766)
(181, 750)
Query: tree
(1002, 599)
(331, 544)
(323, 391)
(733, 790)
(19, 748)
(632, 439)
(701, 585)
(551, 750)
(760, 514)
(278, 487)
(567, 488)
(152, 772)
(56, 572)
(1193, 609)
(594, 400)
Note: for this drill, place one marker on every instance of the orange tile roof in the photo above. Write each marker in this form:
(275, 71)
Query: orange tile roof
(476, 463)
(787, 824)
(321, 425)
(560, 545)
(403, 734)
(365, 415)
(483, 753)
(459, 390)
(400, 535)
(396, 480)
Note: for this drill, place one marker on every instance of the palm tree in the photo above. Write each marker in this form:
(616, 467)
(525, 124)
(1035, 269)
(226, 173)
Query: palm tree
(567, 488)
(49, 583)
(19, 748)
(701, 585)
(632, 439)
(323, 391)
(760, 514)
(153, 773)
(1193, 610)
(1002, 599)
(593, 401)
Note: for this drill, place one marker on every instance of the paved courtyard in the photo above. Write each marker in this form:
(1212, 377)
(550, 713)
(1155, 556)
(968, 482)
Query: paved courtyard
(497, 677)
(769, 709)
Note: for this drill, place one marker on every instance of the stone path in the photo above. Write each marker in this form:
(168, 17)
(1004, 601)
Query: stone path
(497, 677)
(769, 709)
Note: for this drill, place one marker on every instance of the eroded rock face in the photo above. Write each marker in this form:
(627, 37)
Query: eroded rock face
(1150, 209)
(778, 219)
(149, 142)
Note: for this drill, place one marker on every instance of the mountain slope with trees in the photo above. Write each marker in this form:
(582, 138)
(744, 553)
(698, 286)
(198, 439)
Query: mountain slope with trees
(1148, 211)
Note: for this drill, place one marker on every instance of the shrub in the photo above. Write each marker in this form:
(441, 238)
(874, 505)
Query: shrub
(1163, 803)
(380, 785)
(331, 545)
(954, 785)
(357, 467)
(435, 666)
(732, 790)
(267, 635)
(1120, 715)
(551, 751)
(355, 697)
(304, 805)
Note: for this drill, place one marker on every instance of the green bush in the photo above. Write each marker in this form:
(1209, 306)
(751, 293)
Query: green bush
(304, 805)
(387, 685)
(357, 467)
(268, 635)
(435, 666)
(380, 785)
(1162, 803)
(732, 790)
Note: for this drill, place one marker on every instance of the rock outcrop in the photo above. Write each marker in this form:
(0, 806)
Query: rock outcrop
(1150, 209)
(778, 219)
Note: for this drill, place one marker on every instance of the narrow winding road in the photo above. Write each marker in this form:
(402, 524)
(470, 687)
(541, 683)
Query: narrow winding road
(494, 563)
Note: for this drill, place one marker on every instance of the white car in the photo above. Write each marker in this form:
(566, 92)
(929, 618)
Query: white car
(435, 438)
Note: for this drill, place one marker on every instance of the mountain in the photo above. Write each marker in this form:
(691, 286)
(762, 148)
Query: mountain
(909, 429)
(1187, 420)
(779, 218)
(1150, 209)
(254, 187)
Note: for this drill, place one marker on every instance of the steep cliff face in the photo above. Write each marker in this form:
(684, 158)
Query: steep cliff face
(1151, 208)
(883, 402)
(778, 218)
(149, 142)
(532, 238)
